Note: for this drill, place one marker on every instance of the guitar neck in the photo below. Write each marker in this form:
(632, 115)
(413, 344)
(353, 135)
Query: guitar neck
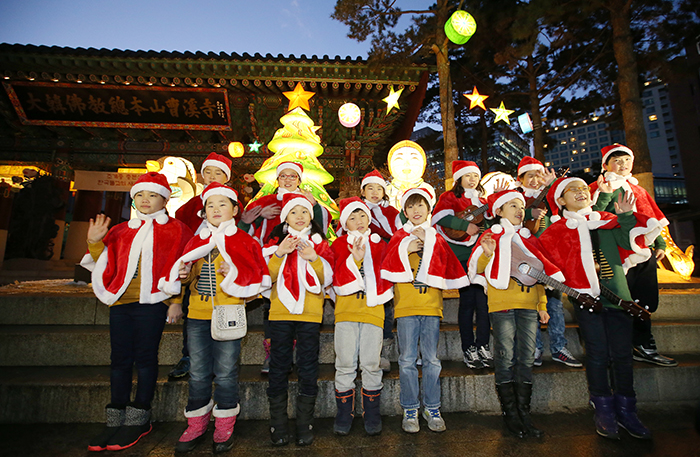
(553, 283)
(479, 210)
(610, 295)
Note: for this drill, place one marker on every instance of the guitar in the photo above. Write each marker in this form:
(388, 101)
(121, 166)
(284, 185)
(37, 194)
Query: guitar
(529, 271)
(538, 202)
(472, 214)
(632, 307)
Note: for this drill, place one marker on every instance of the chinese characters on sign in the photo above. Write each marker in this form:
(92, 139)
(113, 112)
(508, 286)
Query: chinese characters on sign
(102, 180)
(114, 106)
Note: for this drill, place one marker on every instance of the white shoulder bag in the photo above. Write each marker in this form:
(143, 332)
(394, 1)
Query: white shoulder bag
(228, 322)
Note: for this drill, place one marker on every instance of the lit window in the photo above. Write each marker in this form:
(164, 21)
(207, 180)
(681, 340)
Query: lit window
(653, 117)
(574, 151)
(587, 170)
(563, 142)
(583, 143)
(573, 139)
(547, 164)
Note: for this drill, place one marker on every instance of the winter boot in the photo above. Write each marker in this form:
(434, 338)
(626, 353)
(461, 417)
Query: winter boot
(137, 423)
(345, 402)
(605, 420)
(115, 419)
(626, 411)
(506, 395)
(197, 423)
(523, 395)
(225, 419)
(305, 420)
(279, 432)
(370, 411)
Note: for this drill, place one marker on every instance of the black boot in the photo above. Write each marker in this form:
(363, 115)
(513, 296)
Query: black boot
(523, 393)
(370, 408)
(506, 395)
(115, 419)
(305, 420)
(279, 433)
(137, 423)
(345, 402)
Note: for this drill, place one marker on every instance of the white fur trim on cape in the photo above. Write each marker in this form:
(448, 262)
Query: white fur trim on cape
(650, 233)
(368, 285)
(469, 241)
(474, 277)
(303, 266)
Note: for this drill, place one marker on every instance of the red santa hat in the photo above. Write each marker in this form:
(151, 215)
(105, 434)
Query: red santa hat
(296, 167)
(607, 150)
(423, 192)
(499, 199)
(290, 200)
(153, 182)
(216, 188)
(462, 167)
(218, 161)
(529, 164)
(350, 205)
(373, 177)
(556, 191)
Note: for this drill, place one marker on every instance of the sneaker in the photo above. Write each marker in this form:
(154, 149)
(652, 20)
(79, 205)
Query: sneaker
(181, 369)
(538, 357)
(485, 356)
(565, 357)
(471, 358)
(410, 424)
(649, 355)
(435, 421)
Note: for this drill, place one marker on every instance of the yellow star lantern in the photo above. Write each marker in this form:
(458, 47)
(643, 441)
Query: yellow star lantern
(298, 97)
(476, 99)
(502, 113)
(392, 100)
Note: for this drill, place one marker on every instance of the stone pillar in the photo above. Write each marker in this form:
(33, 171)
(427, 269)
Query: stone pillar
(6, 197)
(88, 204)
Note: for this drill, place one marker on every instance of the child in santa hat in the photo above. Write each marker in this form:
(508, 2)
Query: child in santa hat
(222, 265)
(642, 279)
(300, 263)
(261, 216)
(215, 168)
(359, 316)
(534, 179)
(591, 248)
(127, 263)
(466, 192)
(514, 309)
(421, 265)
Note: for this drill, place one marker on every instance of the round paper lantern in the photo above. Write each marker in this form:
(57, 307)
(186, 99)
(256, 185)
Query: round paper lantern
(236, 149)
(349, 115)
(460, 27)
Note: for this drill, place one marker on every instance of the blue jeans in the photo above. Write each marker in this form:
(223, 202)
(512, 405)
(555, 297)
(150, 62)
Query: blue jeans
(513, 362)
(556, 325)
(211, 360)
(134, 333)
(411, 331)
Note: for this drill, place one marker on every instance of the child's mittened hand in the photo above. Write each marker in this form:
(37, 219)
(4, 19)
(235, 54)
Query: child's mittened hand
(270, 211)
(544, 317)
(415, 246)
(184, 270)
(224, 268)
(488, 244)
(473, 229)
(250, 215)
(603, 185)
(174, 313)
(307, 252)
(624, 204)
(98, 228)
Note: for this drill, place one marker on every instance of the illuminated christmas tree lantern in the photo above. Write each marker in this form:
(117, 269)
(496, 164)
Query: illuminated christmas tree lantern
(460, 27)
(236, 149)
(349, 115)
(525, 123)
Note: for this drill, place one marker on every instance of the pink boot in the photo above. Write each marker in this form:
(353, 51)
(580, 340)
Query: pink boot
(197, 423)
(225, 419)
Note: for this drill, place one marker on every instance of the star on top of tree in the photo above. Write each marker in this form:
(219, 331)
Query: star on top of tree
(476, 99)
(502, 113)
(298, 97)
(392, 100)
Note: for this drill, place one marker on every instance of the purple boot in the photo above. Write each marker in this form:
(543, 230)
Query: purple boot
(605, 420)
(626, 409)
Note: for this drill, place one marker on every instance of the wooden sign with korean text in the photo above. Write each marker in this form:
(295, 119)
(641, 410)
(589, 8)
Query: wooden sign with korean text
(102, 180)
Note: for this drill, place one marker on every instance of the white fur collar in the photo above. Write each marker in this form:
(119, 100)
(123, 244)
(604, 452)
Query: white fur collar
(616, 181)
(409, 227)
(227, 227)
(161, 217)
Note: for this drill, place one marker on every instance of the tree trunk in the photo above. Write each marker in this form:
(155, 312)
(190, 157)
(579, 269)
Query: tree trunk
(447, 109)
(535, 109)
(628, 86)
(484, 144)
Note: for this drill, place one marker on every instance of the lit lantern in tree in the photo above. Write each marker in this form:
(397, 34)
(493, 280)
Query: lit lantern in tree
(460, 27)
(236, 149)
(349, 115)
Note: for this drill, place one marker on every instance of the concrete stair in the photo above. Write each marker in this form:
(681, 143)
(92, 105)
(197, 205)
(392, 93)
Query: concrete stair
(54, 359)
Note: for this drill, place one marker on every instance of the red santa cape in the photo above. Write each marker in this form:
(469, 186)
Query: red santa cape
(347, 279)
(248, 275)
(189, 213)
(450, 205)
(439, 267)
(125, 244)
(497, 272)
(296, 275)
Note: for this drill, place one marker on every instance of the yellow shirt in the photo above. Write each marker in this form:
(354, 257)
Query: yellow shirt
(313, 303)
(353, 308)
(412, 301)
(515, 296)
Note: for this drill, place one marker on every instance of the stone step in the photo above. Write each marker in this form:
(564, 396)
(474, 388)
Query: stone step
(88, 345)
(83, 308)
(79, 394)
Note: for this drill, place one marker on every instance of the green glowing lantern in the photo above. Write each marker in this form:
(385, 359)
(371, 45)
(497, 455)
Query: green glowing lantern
(460, 27)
